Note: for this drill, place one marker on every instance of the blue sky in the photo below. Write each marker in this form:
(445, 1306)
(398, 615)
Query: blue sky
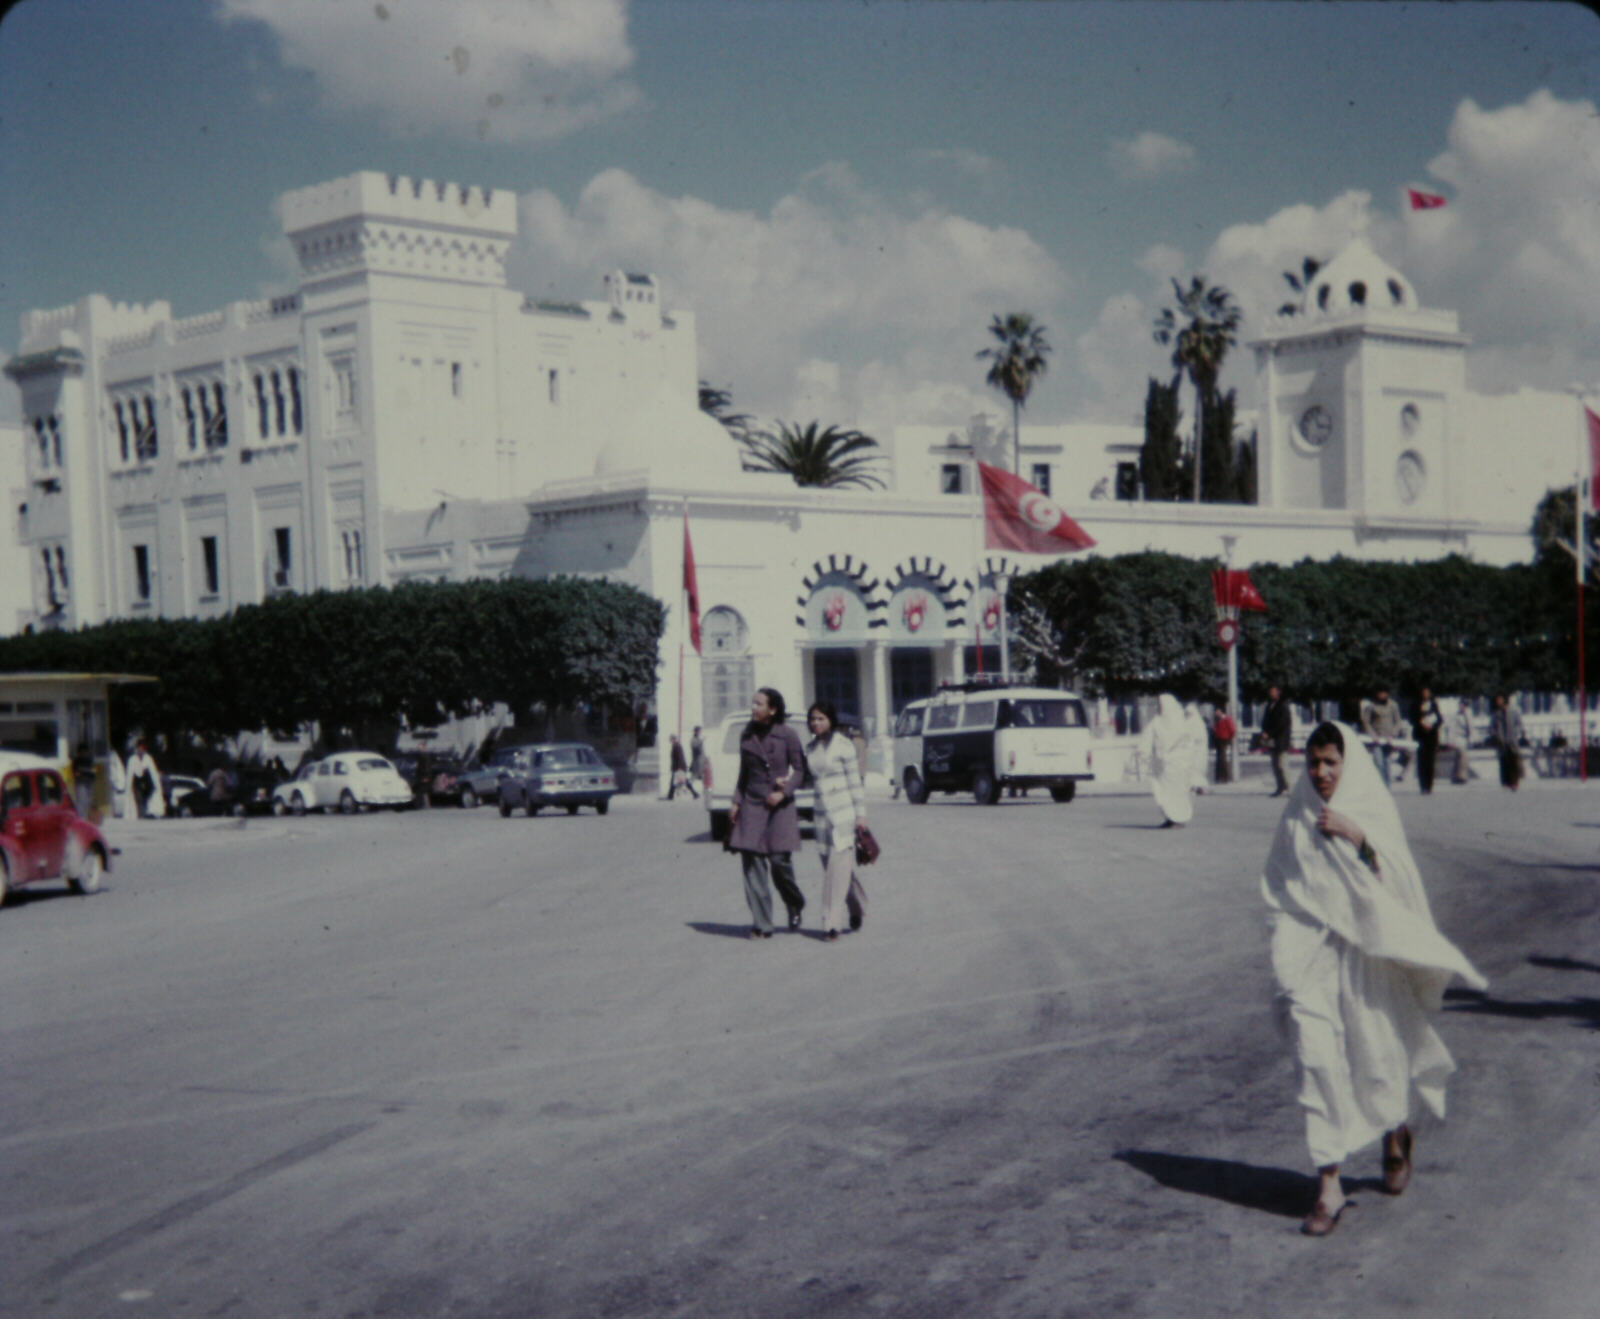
(843, 192)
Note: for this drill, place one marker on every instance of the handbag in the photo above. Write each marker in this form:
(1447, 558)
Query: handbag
(867, 848)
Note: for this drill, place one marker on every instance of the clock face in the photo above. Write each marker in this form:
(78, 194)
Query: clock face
(1316, 425)
(1409, 477)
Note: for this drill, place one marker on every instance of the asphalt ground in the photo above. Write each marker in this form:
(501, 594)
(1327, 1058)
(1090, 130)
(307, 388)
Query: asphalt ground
(445, 1064)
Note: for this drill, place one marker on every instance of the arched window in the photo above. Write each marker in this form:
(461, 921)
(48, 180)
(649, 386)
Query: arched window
(261, 406)
(294, 398)
(1397, 293)
(1358, 294)
(122, 430)
(277, 400)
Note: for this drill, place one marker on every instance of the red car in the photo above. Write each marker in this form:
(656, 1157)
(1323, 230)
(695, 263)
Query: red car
(42, 835)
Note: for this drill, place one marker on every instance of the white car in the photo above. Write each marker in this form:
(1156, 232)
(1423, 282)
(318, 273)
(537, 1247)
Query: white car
(722, 772)
(346, 781)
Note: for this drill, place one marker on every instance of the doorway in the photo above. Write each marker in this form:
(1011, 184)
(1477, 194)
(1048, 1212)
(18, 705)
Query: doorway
(836, 678)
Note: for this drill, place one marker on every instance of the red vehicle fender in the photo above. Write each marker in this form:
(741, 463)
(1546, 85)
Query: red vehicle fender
(81, 838)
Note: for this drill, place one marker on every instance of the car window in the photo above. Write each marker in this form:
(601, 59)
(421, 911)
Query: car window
(341, 767)
(562, 758)
(373, 762)
(1048, 714)
(586, 756)
(943, 716)
(978, 714)
(306, 771)
(326, 767)
(910, 723)
(51, 790)
(15, 793)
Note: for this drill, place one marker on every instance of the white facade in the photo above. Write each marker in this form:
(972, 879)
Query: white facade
(404, 415)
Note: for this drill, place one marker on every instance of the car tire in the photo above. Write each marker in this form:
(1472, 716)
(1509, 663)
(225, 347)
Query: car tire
(347, 802)
(603, 806)
(185, 811)
(916, 789)
(572, 810)
(297, 804)
(469, 799)
(1065, 792)
(5, 882)
(91, 870)
(985, 790)
(531, 807)
(505, 807)
(279, 806)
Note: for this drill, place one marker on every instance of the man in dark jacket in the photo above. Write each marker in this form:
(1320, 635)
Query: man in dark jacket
(1277, 723)
(1427, 721)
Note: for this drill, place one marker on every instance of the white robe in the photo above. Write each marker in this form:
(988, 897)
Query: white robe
(1359, 964)
(1172, 760)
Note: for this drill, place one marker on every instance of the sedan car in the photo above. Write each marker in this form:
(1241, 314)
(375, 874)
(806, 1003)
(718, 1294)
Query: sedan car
(482, 783)
(346, 781)
(568, 774)
(42, 836)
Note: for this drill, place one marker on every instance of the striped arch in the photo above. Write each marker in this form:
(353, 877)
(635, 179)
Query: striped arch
(850, 575)
(982, 590)
(952, 592)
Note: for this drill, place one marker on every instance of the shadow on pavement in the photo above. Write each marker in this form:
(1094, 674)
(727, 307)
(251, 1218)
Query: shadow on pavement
(726, 931)
(1584, 1011)
(1271, 1190)
(1138, 826)
(1562, 963)
(49, 891)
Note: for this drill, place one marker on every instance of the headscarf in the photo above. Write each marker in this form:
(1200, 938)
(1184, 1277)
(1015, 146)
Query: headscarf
(1324, 879)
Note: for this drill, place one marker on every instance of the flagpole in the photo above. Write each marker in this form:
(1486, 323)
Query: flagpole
(977, 560)
(1580, 552)
(683, 618)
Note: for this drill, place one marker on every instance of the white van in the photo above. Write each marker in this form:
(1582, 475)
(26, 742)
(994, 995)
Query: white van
(984, 737)
(722, 772)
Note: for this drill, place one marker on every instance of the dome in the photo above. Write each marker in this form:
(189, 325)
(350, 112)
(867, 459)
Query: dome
(1358, 279)
(674, 442)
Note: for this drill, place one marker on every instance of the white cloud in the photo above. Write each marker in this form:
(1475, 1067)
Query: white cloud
(963, 160)
(833, 298)
(500, 69)
(1148, 156)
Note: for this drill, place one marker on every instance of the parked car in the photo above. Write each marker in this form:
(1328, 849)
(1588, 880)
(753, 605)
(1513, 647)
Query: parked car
(443, 770)
(984, 737)
(346, 781)
(249, 792)
(42, 836)
(569, 774)
(482, 782)
(722, 772)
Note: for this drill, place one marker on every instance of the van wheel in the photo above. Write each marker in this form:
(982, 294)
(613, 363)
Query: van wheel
(1066, 792)
(297, 804)
(347, 802)
(916, 789)
(505, 807)
(985, 791)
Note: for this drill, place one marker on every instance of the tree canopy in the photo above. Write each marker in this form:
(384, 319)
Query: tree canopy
(1018, 358)
(814, 455)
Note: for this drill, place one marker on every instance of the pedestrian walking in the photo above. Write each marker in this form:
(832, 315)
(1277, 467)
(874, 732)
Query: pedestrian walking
(1359, 964)
(1381, 721)
(1277, 727)
(1427, 722)
(1461, 738)
(763, 823)
(145, 780)
(697, 755)
(841, 811)
(83, 776)
(1223, 731)
(681, 777)
(1505, 732)
(1171, 747)
(117, 773)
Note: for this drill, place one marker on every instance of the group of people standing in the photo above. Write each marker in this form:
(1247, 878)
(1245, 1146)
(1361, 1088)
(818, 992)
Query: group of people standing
(764, 822)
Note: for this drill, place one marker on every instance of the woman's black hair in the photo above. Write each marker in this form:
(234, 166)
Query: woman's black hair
(1326, 735)
(830, 712)
(775, 703)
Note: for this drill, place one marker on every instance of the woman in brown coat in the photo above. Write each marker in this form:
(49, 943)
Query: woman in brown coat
(764, 826)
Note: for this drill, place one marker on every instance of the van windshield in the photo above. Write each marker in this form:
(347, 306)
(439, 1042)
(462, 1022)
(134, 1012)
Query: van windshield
(1045, 714)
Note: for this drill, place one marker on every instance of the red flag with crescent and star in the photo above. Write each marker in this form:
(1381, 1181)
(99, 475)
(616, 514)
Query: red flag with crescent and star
(1016, 516)
(691, 585)
(1424, 201)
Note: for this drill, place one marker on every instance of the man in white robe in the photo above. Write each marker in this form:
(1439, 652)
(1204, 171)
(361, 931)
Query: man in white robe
(1359, 965)
(1172, 750)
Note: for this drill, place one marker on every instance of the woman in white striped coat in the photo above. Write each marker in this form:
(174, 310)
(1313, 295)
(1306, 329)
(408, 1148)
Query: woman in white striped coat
(841, 807)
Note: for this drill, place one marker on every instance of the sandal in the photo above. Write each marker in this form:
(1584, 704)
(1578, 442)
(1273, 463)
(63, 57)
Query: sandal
(1320, 1223)
(1397, 1167)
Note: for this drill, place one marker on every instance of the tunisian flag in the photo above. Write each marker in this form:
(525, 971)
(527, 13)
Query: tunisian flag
(1018, 517)
(1232, 586)
(1424, 201)
(691, 585)
(1594, 458)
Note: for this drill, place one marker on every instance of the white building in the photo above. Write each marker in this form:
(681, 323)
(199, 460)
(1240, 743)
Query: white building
(404, 415)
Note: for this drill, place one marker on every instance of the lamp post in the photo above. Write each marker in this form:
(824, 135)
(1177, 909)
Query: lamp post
(1228, 542)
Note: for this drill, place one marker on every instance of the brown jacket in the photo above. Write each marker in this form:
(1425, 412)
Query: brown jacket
(768, 760)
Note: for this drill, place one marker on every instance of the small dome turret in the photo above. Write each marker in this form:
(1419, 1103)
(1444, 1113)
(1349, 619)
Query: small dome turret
(1358, 279)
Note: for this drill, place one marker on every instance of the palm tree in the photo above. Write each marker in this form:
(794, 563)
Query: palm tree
(1017, 361)
(1299, 283)
(718, 404)
(813, 455)
(1201, 330)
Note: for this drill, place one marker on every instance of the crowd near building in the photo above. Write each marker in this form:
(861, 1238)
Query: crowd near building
(405, 415)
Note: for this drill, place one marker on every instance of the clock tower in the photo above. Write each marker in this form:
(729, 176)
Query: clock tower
(1362, 398)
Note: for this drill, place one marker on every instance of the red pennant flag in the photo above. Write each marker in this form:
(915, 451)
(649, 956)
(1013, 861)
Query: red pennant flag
(1594, 457)
(1018, 517)
(691, 585)
(1424, 201)
(1234, 587)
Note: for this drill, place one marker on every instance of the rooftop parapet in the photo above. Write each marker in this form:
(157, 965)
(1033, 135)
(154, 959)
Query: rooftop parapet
(93, 317)
(400, 199)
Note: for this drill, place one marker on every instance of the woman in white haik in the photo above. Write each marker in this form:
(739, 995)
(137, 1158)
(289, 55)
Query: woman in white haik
(841, 808)
(1359, 965)
(1173, 752)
